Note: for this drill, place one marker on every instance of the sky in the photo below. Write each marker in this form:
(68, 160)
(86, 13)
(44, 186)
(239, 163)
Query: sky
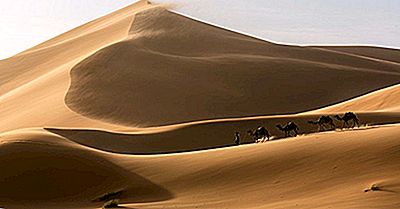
(26, 23)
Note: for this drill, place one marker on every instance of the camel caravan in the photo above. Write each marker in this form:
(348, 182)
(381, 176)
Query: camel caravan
(325, 123)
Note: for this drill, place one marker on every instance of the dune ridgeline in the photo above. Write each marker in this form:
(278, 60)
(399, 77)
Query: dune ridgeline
(142, 105)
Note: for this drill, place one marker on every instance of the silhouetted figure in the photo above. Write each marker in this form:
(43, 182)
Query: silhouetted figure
(289, 127)
(237, 138)
(260, 133)
(322, 122)
(349, 116)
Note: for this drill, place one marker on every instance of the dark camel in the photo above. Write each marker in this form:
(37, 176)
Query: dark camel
(322, 122)
(260, 133)
(289, 127)
(349, 116)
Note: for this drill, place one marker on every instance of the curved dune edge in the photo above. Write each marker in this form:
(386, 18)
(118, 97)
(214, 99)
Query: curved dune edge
(384, 100)
(43, 170)
(45, 93)
(305, 172)
(312, 171)
(168, 58)
(33, 87)
(374, 52)
(203, 135)
(329, 169)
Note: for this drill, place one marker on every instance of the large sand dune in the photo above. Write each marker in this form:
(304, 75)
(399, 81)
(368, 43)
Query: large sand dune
(143, 103)
(167, 59)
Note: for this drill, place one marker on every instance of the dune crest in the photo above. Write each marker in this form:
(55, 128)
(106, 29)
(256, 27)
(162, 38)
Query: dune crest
(167, 59)
(384, 100)
(142, 104)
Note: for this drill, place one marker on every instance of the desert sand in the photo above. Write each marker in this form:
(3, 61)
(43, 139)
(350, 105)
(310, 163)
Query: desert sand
(141, 105)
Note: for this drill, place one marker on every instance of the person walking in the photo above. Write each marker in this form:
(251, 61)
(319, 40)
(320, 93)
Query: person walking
(237, 138)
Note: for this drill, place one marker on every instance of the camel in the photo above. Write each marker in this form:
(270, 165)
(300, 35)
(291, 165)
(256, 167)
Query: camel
(322, 122)
(289, 127)
(260, 133)
(348, 116)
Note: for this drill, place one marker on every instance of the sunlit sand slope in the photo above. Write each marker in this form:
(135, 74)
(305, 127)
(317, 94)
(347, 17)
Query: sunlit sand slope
(33, 83)
(141, 105)
(384, 100)
(323, 170)
(328, 170)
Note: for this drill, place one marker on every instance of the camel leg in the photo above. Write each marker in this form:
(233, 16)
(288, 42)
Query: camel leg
(323, 128)
(326, 127)
(357, 122)
(346, 123)
(333, 127)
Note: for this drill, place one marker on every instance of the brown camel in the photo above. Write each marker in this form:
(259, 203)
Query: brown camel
(348, 116)
(289, 127)
(260, 133)
(322, 122)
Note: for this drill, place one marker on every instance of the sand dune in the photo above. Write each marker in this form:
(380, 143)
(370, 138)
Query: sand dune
(168, 58)
(384, 54)
(384, 100)
(43, 170)
(318, 171)
(142, 104)
(201, 135)
(34, 83)
(302, 172)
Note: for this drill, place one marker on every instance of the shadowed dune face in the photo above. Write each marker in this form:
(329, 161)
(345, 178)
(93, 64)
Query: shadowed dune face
(156, 67)
(392, 55)
(39, 169)
(173, 69)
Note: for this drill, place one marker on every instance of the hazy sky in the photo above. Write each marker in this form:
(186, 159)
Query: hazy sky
(25, 23)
